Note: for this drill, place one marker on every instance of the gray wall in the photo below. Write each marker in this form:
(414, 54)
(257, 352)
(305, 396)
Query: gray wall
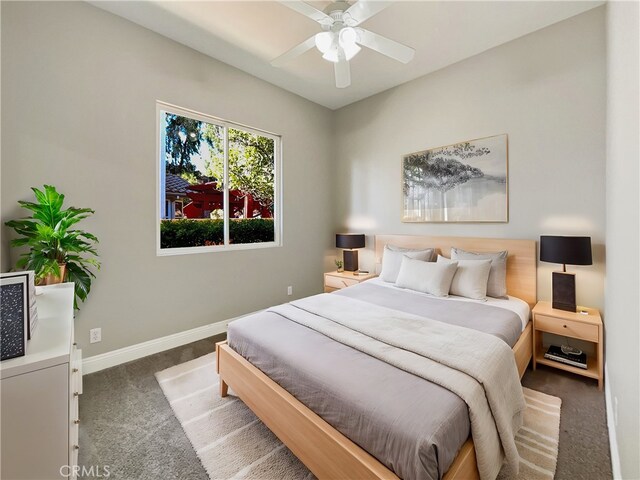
(545, 90)
(79, 87)
(623, 239)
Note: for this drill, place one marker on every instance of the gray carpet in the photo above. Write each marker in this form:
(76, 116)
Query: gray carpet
(128, 425)
(584, 436)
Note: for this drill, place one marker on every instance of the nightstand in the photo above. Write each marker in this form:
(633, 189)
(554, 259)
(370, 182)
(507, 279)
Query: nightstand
(336, 280)
(587, 327)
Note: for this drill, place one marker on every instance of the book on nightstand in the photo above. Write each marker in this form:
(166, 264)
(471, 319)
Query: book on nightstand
(555, 353)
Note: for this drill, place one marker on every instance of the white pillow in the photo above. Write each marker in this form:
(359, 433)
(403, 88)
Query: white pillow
(392, 259)
(497, 284)
(426, 277)
(470, 279)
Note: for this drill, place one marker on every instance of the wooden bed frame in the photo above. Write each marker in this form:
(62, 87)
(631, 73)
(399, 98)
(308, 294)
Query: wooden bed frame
(324, 450)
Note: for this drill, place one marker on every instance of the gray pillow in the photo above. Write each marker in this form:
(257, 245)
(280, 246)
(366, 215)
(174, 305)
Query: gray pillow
(392, 260)
(426, 277)
(431, 251)
(497, 284)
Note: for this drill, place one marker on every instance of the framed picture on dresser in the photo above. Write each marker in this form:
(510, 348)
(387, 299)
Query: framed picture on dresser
(32, 311)
(462, 182)
(14, 308)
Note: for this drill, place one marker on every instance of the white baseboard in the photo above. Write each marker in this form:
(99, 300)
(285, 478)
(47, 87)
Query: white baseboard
(133, 352)
(611, 424)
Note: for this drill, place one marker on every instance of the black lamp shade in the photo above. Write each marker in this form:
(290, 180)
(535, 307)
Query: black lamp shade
(566, 250)
(349, 240)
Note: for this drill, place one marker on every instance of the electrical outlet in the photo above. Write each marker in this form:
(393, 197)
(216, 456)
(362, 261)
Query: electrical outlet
(95, 335)
(615, 411)
(289, 290)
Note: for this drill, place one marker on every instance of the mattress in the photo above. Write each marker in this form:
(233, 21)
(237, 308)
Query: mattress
(414, 427)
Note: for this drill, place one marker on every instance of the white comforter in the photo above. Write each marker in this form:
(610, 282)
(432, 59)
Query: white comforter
(477, 367)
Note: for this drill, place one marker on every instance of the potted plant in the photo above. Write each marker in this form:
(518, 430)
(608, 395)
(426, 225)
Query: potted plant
(57, 253)
(339, 265)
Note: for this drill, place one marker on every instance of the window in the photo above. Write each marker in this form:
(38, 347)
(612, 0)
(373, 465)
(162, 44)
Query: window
(218, 184)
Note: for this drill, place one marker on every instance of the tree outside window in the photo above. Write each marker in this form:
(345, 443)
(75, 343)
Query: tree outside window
(200, 210)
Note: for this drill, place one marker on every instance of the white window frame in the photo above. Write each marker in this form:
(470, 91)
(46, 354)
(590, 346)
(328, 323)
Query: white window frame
(160, 174)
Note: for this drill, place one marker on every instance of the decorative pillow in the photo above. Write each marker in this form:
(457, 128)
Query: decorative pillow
(426, 277)
(403, 249)
(470, 279)
(392, 260)
(497, 285)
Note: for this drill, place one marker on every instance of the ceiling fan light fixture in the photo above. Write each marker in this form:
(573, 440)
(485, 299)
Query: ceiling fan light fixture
(324, 40)
(348, 36)
(332, 55)
(347, 39)
(351, 50)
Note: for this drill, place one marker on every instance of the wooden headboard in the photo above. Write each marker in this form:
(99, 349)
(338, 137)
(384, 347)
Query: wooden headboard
(521, 261)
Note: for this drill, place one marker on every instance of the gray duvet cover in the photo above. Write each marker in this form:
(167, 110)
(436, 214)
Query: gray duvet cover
(412, 426)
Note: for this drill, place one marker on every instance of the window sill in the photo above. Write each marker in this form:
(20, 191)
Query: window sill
(165, 252)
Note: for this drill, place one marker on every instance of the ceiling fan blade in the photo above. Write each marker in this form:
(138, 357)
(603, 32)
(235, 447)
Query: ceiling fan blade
(363, 10)
(296, 51)
(309, 11)
(342, 71)
(385, 46)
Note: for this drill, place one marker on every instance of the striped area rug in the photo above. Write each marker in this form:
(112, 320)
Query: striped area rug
(537, 440)
(232, 443)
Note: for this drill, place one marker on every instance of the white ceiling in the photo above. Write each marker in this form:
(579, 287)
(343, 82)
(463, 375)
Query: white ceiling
(248, 35)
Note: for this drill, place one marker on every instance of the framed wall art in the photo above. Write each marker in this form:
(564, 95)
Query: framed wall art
(463, 182)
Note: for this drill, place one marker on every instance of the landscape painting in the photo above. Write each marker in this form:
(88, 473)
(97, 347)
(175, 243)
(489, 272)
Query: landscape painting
(464, 182)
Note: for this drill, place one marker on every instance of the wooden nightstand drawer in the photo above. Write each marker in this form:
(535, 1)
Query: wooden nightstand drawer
(337, 282)
(547, 319)
(567, 328)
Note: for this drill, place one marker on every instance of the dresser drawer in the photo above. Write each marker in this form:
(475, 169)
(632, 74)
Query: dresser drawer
(73, 463)
(337, 282)
(76, 370)
(74, 438)
(569, 328)
(74, 417)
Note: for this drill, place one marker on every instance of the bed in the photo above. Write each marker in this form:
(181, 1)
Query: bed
(327, 452)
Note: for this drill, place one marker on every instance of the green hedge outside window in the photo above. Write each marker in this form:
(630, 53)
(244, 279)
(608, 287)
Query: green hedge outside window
(200, 233)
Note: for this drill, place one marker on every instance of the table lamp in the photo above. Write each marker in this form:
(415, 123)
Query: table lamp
(350, 241)
(567, 251)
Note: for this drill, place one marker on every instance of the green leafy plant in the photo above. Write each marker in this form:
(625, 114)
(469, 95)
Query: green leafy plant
(52, 242)
(338, 263)
(204, 232)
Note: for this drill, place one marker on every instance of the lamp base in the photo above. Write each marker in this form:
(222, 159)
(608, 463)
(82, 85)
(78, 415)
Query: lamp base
(564, 291)
(350, 260)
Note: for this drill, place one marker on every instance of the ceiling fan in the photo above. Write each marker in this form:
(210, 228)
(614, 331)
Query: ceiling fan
(341, 36)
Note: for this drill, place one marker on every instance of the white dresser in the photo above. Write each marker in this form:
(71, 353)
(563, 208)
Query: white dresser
(39, 395)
